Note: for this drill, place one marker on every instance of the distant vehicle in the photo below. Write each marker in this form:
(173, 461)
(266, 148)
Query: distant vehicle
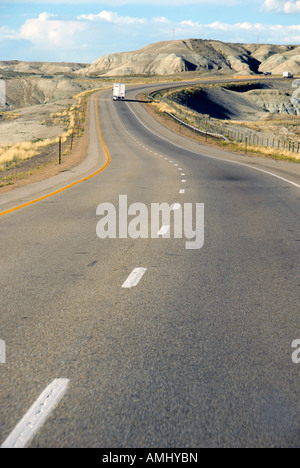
(118, 91)
(287, 74)
(268, 73)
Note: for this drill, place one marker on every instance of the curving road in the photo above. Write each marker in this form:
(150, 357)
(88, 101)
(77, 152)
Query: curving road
(199, 352)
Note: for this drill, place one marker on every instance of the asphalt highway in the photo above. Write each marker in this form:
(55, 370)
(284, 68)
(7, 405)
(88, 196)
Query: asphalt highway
(198, 352)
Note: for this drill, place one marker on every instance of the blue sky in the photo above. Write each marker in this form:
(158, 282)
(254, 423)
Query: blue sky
(77, 31)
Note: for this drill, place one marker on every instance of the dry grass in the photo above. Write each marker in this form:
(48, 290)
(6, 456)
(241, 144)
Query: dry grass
(9, 116)
(21, 151)
(68, 118)
(273, 124)
(273, 153)
(161, 107)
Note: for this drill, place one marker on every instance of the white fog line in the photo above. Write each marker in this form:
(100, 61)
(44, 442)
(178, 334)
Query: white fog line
(217, 158)
(163, 230)
(36, 415)
(134, 277)
(267, 172)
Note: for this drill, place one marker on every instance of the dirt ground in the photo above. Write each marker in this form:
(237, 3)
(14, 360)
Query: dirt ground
(46, 164)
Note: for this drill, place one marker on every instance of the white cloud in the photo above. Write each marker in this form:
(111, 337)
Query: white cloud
(189, 23)
(218, 26)
(292, 7)
(161, 19)
(282, 6)
(115, 3)
(240, 32)
(111, 17)
(87, 37)
(48, 31)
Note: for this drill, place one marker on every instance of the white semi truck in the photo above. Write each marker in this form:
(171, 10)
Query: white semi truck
(118, 91)
(287, 74)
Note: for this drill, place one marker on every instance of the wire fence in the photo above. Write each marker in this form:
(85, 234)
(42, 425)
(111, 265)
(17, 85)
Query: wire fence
(53, 153)
(229, 132)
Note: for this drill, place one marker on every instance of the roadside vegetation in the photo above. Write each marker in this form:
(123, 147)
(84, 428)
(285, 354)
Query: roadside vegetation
(71, 119)
(263, 120)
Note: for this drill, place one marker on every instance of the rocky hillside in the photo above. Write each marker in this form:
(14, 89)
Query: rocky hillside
(243, 102)
(29, 91)
(173, 57)
(16, 67)
(170, 58)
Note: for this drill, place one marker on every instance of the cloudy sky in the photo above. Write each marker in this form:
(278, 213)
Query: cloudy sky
(81, 31)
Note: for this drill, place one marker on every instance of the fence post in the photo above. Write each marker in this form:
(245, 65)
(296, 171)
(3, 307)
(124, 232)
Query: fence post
(78, 124)
(59, 150)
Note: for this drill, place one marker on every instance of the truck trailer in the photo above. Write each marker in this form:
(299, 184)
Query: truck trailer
(118, 91)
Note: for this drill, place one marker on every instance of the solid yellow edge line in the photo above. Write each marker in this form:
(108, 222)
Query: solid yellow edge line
(74, 183)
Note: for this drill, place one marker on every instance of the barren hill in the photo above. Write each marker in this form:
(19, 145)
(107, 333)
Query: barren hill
(172, 57)
(15, 67)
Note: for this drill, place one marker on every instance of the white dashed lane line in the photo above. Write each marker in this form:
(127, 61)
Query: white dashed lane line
(37, 414)
(51, 396)
(163, 230)
(182, 191)
(134, 278)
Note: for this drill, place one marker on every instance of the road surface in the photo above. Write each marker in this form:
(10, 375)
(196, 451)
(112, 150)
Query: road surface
(198, 351)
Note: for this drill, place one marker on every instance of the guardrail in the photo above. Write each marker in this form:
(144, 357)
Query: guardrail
(182, 122)
(230, 132)
(196, 129)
